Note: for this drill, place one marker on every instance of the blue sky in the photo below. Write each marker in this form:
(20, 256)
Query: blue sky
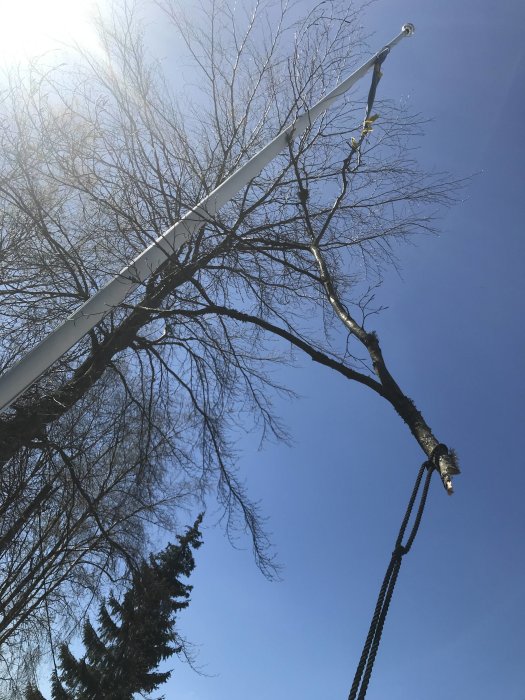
(454, 336)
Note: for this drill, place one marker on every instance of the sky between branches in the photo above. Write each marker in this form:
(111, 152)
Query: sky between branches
(454, 337)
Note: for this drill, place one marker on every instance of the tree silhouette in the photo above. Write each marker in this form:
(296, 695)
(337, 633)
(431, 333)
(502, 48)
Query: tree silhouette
(133, 636)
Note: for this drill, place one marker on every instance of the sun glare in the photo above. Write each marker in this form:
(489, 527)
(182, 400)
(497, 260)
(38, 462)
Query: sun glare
(30, 28)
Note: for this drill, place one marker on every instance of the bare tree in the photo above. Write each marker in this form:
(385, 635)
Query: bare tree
(98, 157)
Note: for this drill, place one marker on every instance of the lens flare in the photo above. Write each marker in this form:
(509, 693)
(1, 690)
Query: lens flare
(30, 28)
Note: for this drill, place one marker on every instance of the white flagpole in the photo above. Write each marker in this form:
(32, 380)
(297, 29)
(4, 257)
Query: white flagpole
(17, 379)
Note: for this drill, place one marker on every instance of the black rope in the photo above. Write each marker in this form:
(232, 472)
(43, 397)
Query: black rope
(366, 662)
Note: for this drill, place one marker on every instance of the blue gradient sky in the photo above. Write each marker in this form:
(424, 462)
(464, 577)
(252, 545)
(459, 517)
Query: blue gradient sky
(454, 337)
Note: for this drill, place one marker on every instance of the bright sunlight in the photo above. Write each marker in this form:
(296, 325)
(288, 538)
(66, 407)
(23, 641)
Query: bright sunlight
(30, 28)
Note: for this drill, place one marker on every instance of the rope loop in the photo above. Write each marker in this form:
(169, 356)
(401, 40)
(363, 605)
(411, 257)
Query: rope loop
(368, 655)
(439, 451)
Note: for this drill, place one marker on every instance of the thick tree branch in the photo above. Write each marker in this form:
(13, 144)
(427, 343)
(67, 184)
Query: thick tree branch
(390, 389)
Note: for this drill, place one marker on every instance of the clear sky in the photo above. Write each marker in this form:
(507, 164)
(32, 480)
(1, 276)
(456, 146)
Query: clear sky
(454, 337)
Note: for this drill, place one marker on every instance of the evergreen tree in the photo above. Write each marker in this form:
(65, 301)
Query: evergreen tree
(134, 635)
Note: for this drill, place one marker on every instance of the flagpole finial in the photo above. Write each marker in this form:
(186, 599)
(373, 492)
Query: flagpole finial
(408, 28)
